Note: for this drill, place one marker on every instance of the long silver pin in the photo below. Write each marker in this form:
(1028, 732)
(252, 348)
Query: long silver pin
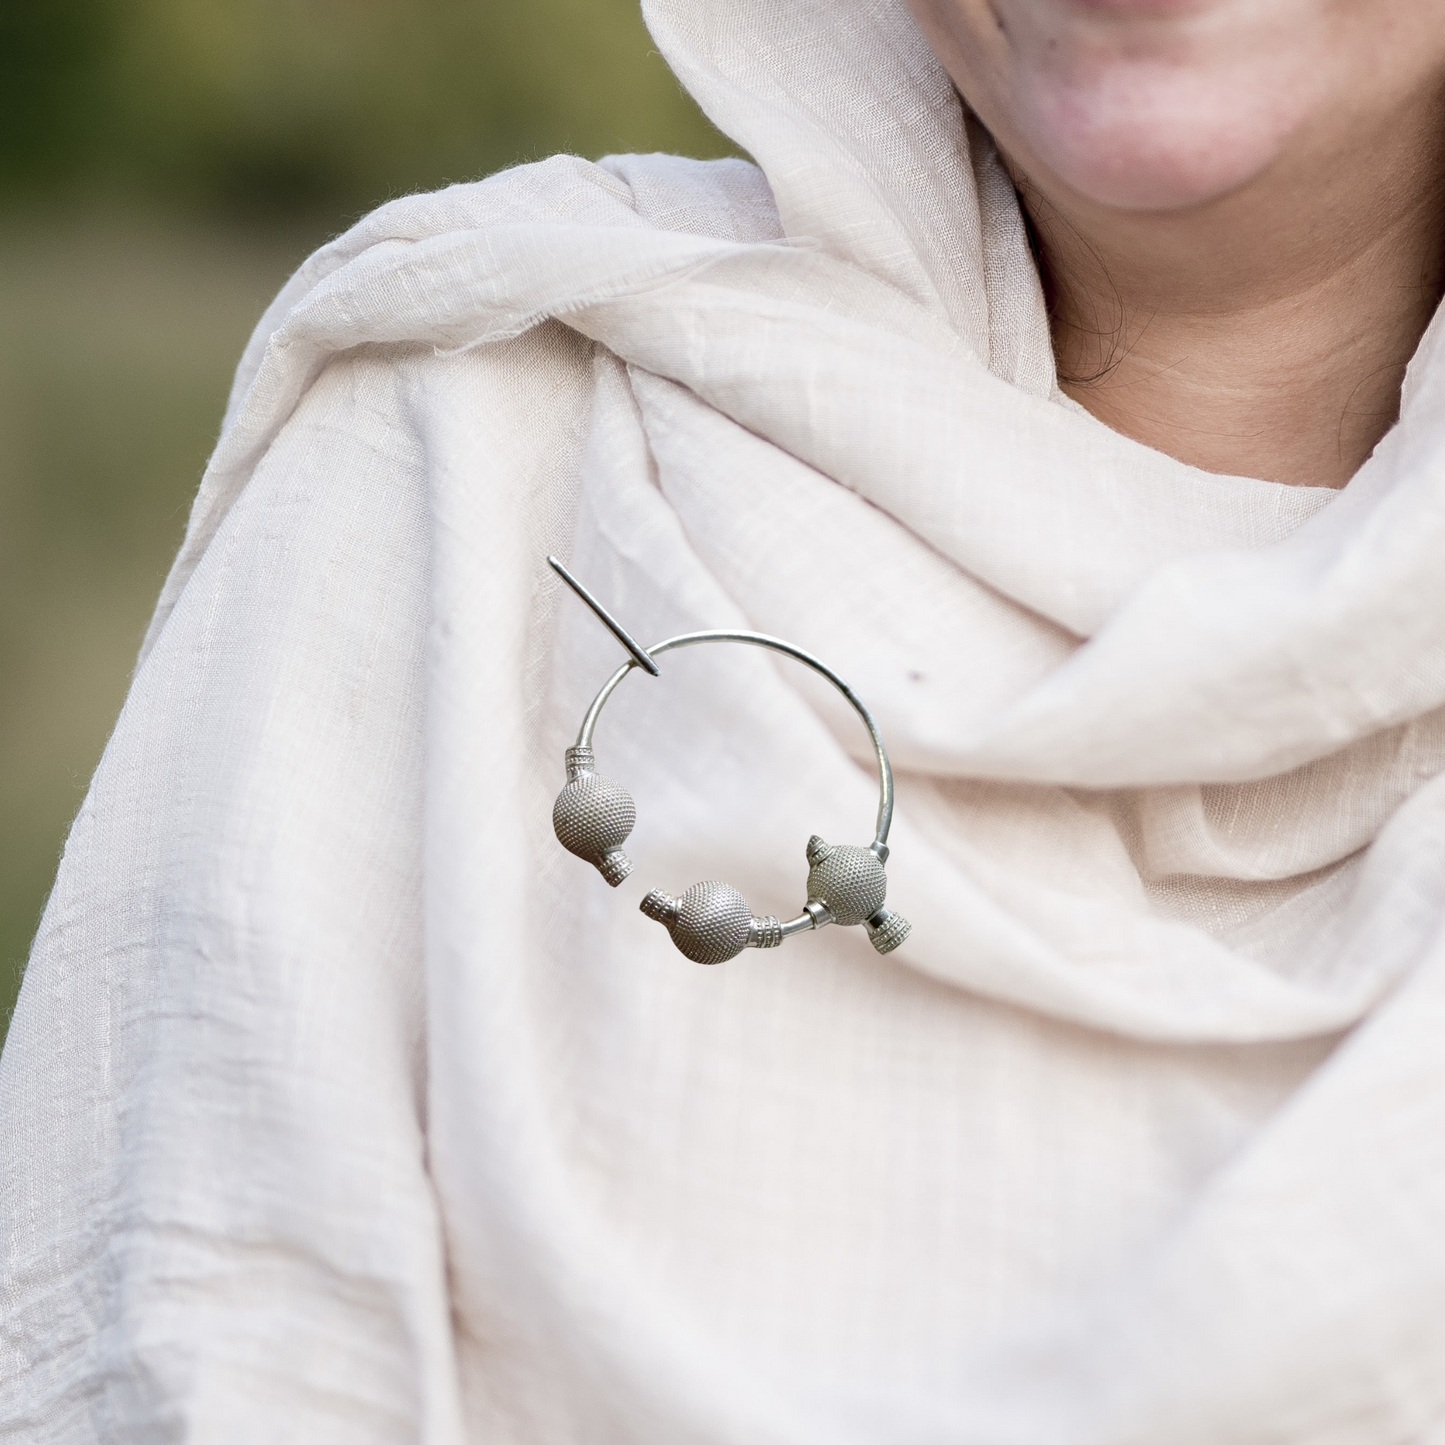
(607, 619)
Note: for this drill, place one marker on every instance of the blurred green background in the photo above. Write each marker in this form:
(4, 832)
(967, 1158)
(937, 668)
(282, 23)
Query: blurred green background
(164, 164)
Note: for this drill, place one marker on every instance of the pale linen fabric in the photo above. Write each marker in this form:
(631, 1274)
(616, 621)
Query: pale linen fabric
(341, 1105)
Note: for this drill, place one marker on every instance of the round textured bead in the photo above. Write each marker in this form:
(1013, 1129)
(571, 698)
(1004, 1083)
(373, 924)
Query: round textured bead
(592, 818)
(850, 880)
(712, 923)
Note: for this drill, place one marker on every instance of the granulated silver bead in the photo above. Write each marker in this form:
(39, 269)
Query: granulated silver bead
(710, 923)
(592, 818)
(849, 881)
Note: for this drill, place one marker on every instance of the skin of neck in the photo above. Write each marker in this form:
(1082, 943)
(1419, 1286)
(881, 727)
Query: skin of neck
(1238, 210)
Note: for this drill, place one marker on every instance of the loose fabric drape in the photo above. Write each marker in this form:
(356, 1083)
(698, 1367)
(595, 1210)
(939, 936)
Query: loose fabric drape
(340, 1104)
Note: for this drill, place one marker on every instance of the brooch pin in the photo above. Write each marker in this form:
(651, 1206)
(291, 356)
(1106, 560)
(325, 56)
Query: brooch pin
(711, 922)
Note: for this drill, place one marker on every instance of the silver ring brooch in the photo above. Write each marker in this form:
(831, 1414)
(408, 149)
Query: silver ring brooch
(711, 922)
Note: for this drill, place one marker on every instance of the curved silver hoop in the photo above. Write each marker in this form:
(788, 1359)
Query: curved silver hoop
(879, 845)
(711, 921)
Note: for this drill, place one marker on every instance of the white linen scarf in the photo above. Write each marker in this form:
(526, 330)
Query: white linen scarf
(340, 1104)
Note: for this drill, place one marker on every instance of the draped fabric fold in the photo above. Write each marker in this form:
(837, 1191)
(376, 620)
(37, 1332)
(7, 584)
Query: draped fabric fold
(341, 1104)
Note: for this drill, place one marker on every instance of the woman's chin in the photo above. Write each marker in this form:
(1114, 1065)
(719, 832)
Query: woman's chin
(1129, 173)
(1152, 147)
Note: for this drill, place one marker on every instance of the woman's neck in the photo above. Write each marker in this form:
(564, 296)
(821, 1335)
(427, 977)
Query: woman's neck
(1265, 333)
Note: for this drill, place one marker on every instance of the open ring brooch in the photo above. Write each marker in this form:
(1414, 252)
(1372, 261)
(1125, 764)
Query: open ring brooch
(711, 922)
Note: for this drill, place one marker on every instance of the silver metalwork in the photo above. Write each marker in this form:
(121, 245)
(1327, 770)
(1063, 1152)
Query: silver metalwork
(605, 617)
(886, 930)
(711, 922)
(849, 881)
(593, 817)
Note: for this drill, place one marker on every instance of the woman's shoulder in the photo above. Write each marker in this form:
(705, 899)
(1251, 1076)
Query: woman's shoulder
(439, 275)
(726, 199)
